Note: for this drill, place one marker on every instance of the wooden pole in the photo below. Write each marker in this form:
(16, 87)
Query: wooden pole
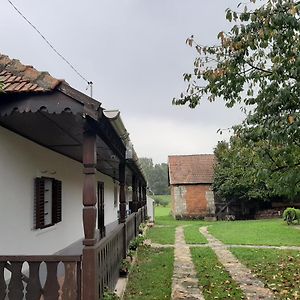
(140, 195)
(145, 201)
(89, 188)
(122, 197)
(89, 273)
(122, 204)
(134, 194)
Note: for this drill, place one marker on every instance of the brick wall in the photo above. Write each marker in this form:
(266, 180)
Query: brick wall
(191, 201)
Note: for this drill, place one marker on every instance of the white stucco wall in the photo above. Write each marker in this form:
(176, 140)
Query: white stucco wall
(20, 162)
(150, 208)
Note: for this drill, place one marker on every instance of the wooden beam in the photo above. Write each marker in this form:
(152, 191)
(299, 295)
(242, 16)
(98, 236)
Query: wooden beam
(140, 195)
(89, 188)
(122, 197)
(89, 272)
(134, 194)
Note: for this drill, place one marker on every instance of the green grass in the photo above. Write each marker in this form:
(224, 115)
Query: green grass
(215, 280)
(163, 217)
(259, 232)
(151, 276)
(193, 236)
(161, 235)
(161, 212)
(279, 269)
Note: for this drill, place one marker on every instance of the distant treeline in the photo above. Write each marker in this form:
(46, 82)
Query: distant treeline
(156, 175)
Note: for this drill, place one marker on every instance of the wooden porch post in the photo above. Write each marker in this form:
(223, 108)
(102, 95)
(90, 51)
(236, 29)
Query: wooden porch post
(145, 201)
(122, 205)
(134, 194)
(89, 273)
(140, 194)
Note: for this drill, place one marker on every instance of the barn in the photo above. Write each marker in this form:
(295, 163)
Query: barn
(190, 179)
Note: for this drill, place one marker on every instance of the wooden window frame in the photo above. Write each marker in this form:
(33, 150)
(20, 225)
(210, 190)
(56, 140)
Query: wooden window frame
(39, 202)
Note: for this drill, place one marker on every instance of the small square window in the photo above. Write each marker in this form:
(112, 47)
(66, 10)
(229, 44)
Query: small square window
(48, 208)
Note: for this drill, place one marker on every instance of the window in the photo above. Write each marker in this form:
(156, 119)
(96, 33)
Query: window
(48, 194)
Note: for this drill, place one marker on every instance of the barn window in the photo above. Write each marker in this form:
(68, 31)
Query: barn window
(48, 195)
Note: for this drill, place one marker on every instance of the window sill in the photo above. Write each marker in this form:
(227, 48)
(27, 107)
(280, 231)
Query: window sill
(45, 230)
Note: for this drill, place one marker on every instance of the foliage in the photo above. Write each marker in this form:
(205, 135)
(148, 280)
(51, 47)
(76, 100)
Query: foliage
(193, 236)
(259, 232)
(235, 176)
(135, 243)
(151, 276)
(156, 175)
(124, 267)
(279, 269)
(246, 171)
(162, 235)
(215, 280)
(257, 63)
(108, 295)
(290, 215)
(162, 200)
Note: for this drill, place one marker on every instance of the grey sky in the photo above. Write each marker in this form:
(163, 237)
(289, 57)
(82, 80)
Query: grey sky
(134, 51)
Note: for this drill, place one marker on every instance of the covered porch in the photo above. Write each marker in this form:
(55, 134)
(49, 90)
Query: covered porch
(68, 122)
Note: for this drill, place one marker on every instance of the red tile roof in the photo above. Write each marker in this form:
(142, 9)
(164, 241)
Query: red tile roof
(18, 78)
(191, 169)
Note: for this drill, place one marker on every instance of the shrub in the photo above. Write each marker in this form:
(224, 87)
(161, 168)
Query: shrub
(164, 202)
(124, 267)
(108, 295)
(290, 215)
(134, 244)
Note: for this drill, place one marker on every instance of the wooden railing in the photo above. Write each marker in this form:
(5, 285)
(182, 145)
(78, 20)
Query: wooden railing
(131, 231)
(54, 277)
(109, 254)
(44, 277)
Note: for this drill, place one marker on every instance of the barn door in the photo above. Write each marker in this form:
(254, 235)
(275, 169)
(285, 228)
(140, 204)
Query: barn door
(100, 196)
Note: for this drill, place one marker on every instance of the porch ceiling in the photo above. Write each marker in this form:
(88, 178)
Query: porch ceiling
(61, 131)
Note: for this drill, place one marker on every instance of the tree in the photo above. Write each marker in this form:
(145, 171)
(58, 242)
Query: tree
(156, 175)
(257, 63)
(246, 173)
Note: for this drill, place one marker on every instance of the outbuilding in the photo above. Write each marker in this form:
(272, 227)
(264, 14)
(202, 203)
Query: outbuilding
(190, 178)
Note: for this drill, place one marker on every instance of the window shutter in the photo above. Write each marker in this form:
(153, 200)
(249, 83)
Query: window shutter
(56, 201)
(39, 202)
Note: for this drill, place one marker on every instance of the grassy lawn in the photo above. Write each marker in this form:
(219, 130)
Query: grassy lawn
(279, 269)
(193, 236)
(151, 277)
(163, 217)
(259, 232)
(161, 235)
(216, 281)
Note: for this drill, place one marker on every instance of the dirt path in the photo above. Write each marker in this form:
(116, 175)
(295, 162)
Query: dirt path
(252, 287)
(185, 281)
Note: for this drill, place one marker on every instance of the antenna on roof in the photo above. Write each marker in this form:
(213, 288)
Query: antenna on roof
(90, 86)
(90, 83)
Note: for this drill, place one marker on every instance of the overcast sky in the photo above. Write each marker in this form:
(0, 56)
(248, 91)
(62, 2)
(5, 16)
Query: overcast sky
(134, 51)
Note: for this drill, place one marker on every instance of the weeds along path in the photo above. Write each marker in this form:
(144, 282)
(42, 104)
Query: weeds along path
(185, 281)
(252, 287)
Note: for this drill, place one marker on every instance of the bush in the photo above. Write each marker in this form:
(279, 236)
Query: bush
(291, 214)
(161, 200)
(108, 295)
(134, 244)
